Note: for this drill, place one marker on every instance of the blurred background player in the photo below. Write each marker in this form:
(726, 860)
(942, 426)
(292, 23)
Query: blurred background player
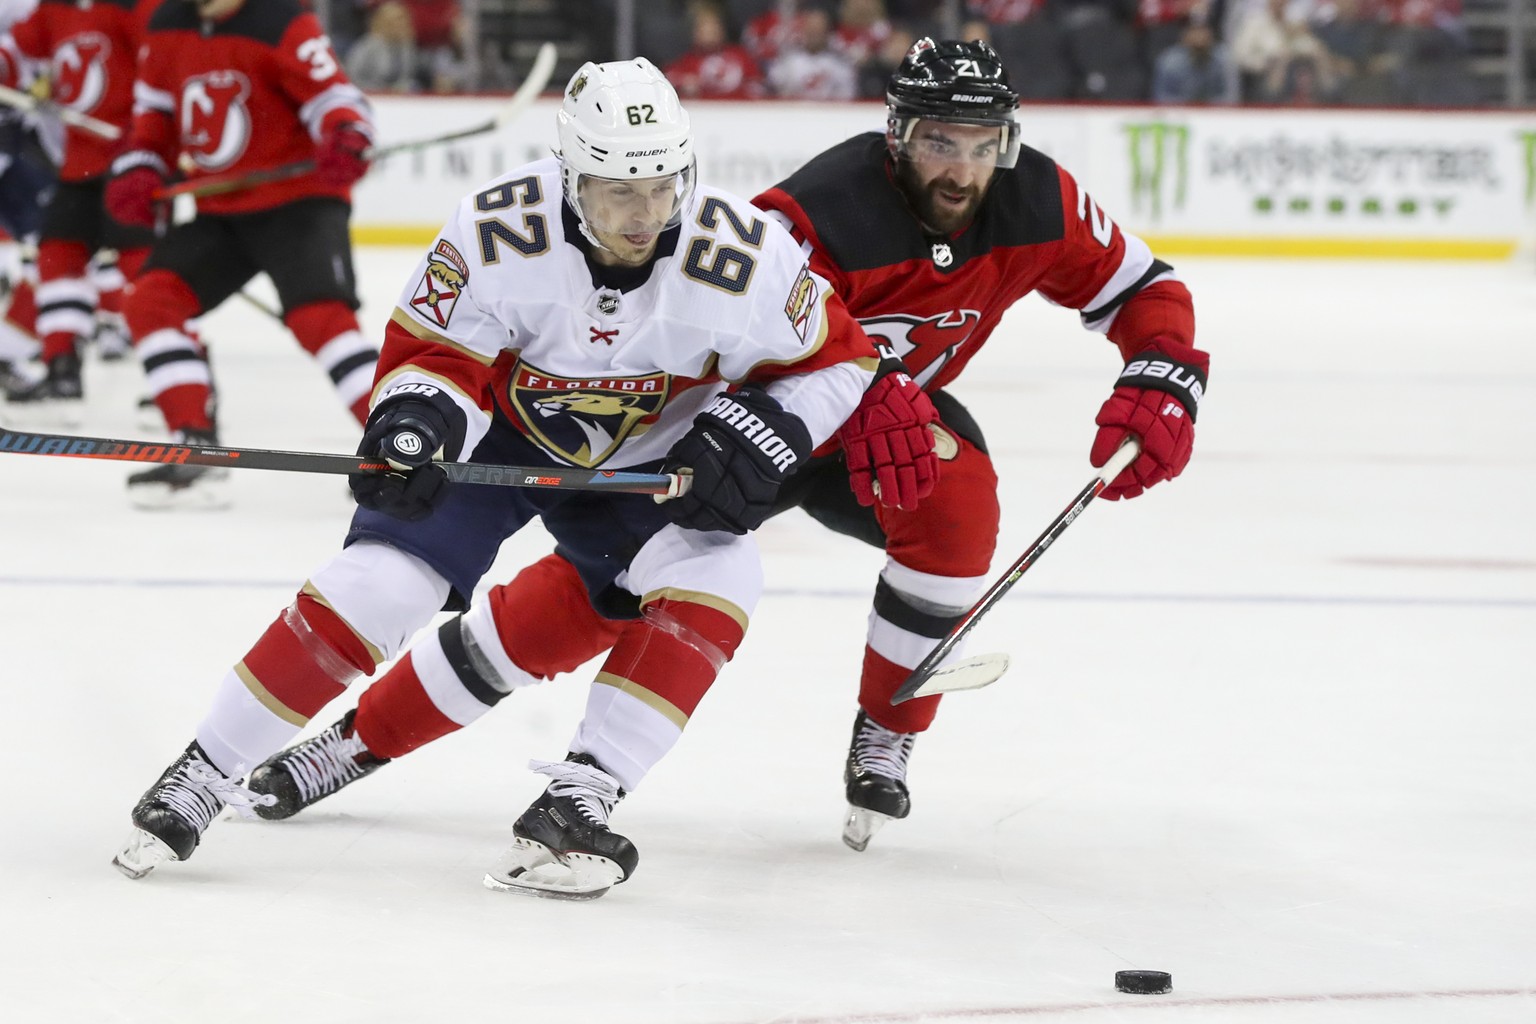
(955, 222)
(227, 87)
(82, 55)
(30, 148)
(589, 310)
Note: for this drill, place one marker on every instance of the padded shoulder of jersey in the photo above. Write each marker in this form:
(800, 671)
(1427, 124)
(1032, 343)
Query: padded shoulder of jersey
(262, 20)
(864, 222)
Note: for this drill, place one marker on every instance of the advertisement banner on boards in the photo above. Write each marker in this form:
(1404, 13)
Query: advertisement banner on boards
(1317, 182)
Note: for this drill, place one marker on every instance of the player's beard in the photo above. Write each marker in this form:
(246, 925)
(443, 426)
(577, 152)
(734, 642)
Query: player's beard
(937, 214)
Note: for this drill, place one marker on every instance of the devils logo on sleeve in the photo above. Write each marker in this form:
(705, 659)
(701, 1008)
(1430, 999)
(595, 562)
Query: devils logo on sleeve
(215, 118)
(925, 344)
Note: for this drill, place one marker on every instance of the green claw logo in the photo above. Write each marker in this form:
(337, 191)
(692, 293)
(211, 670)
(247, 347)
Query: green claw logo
(1159, 152)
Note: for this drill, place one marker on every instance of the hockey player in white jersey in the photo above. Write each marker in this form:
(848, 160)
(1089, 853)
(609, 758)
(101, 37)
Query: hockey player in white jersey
(596, 309)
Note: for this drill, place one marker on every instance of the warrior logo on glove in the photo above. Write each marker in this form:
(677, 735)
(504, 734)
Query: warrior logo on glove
(780, 454)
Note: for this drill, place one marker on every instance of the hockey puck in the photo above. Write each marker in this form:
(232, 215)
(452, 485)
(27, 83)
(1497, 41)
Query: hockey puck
(1147, 983)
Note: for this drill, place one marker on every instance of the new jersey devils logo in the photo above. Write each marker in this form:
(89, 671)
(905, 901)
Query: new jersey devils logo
(80, 71)
(215, 121)
(925, 344)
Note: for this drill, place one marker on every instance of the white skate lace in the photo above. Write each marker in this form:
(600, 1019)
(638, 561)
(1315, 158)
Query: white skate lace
(325, 763)
(882, 751)
(592, 790)
(200, 791)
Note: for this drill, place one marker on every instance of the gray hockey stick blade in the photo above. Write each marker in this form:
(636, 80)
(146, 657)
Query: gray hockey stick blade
(966, 674)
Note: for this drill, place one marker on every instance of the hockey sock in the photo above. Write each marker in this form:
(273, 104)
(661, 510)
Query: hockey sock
(18, 342)
(328, 331)
(157, 305)
(652, 682)
(110, 274)
(306, 657)
(912, 612)
(66, 300)
(533, 628)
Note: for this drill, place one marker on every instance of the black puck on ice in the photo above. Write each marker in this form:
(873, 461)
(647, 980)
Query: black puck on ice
(1147, 983)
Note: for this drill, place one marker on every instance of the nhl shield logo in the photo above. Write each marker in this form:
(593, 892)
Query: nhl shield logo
(608, 303)
(943, 256)
(584, 421)
(441, 285)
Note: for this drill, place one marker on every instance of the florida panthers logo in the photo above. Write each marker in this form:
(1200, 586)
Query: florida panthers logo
(924, 344)
(584, 421)
(215, 120)
(80, 71)
(441, 284)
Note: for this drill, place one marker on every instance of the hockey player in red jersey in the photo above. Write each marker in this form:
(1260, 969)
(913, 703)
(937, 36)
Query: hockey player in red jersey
(587, 310)
(226, 87)
(954, 222)
(85, 52)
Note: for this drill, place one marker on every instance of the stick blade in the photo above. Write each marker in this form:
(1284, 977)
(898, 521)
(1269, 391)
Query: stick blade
(966, 674)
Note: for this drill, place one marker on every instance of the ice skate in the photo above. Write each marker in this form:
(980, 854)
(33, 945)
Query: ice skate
(876, 777)
(182, 487)
(113, 344)
(19, 375)
(311, 771)
(171, 817)
(56, 399)
(563, 847)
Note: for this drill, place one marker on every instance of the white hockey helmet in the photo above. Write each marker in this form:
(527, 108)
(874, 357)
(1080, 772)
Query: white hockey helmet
(622, 121)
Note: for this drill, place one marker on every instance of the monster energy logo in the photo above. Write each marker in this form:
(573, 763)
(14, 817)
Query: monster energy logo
(1528, 141)
(1153, 146)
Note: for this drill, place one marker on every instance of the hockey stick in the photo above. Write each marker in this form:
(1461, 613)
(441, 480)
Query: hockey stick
(973, 673)
(19, 442)
(522, 99)
(33, 105)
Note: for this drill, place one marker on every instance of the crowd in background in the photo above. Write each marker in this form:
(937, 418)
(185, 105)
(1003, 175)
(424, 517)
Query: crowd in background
(1293, 52)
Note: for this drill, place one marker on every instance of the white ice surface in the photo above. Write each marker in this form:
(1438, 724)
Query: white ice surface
(1271, 728)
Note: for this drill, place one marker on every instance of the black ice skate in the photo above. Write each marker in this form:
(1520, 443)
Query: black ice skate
(311, 771)
(55, 399)
(182, 487)
(876, 777)
(563, 847)
(173, 814)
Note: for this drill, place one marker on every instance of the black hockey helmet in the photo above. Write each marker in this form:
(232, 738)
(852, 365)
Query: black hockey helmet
(953, 81)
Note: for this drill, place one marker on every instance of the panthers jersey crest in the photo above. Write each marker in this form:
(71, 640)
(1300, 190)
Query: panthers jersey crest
(585, 421)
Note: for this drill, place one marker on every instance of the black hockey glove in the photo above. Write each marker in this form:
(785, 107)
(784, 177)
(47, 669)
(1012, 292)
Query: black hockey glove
(407, 432)
(741, 449)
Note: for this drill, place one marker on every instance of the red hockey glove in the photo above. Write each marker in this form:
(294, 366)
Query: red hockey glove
(130, 195)
(342, 157)
(888, 444)
(1155, 399)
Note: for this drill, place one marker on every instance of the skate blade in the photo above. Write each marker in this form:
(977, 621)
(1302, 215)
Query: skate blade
(203, 496)
(533, 869)
(142, 854)
(860, 826)
(49, 414)
(146, 414)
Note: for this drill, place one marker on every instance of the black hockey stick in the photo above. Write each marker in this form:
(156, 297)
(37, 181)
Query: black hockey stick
(522, 99)
(975, 672)
(18, 442)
